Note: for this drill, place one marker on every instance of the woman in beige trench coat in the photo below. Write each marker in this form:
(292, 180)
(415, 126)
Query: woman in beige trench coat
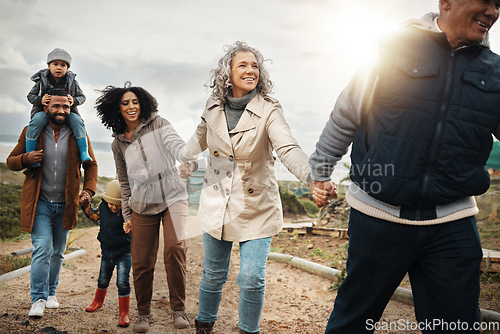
(241, 127)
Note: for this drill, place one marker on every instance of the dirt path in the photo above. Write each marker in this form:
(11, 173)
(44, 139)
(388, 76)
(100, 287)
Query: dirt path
(296, 302)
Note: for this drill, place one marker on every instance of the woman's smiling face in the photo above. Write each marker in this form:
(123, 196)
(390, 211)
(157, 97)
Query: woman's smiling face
(130, 109)
(244, 73)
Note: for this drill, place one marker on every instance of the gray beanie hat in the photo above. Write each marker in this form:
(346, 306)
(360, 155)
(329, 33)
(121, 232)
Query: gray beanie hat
(112, 195)
(59, 54)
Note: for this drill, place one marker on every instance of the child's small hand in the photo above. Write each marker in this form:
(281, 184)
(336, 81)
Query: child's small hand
(85, 199)
(46, 99)
(70, 99)
(127, 227)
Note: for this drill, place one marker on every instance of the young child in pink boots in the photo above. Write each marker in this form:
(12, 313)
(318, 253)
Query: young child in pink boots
(115, 249)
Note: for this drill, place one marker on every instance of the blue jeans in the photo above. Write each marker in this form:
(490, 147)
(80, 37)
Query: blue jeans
(251, 279)
(41, 119)
(443, 262)
(123, 264)
(49, 241)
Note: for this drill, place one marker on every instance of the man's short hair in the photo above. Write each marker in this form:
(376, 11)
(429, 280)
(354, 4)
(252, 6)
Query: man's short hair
(58, 92)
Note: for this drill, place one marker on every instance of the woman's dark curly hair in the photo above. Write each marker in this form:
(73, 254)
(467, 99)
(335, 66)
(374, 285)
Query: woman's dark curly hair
(108, 106)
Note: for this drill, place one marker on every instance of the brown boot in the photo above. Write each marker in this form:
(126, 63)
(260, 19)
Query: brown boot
(142, 324)
(123, 303)
(203, 327)
(98, 300)
(180, 319)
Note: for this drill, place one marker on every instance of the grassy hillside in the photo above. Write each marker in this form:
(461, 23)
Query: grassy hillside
(9, 177)
(10, 197)
(295, 200)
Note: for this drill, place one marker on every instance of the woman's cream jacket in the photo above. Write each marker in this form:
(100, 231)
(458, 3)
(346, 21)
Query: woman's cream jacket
(240, 198)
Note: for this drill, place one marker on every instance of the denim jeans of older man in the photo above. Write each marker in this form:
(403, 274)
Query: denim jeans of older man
(251, 279)
(123, 263)
(49, 243)
(443, 262)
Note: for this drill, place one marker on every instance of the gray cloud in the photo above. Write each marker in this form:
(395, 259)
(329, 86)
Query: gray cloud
(169, 48)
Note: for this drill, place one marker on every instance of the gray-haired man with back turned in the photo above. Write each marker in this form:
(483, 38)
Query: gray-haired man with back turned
(421, 125)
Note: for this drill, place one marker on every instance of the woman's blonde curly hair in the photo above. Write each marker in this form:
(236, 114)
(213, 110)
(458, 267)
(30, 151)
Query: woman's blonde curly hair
(220, 77)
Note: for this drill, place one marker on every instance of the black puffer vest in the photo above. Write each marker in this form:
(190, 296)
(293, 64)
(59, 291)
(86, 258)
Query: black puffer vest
(426, 140)
(114, 241)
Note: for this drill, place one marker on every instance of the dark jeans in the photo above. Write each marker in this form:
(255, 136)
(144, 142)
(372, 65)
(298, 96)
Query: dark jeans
(122, 264)
(443, 262)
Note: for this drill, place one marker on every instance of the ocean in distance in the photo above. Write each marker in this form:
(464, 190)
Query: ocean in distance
(102, 151)
(106, 163)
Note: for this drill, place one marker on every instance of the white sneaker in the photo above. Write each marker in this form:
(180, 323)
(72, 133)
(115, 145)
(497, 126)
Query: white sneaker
(52, 302)
(37, 308)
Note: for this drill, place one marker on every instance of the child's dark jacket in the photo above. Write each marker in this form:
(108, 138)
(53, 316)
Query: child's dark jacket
(114, 241)
(42, 85)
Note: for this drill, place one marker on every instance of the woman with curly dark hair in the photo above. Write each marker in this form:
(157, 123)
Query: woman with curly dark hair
(145, 150)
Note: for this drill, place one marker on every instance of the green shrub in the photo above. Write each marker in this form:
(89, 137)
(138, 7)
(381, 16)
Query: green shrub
(291, 204)
(10, 263)
(10, 223)
(310, 207)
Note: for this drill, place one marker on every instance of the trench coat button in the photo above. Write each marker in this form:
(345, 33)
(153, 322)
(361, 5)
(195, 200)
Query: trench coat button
(227, 191)
(216, 153)
(216, 187)
(229, 175)
(216, 171)
(483, 83)
(231, 158)
(206, 181)
(250, 191)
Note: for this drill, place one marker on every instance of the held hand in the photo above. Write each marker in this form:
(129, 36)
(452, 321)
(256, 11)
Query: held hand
(46, 99)
(322, 192)
(85, 198)
(127, 227)
(35, 157)
(186, 169)
(70, 99)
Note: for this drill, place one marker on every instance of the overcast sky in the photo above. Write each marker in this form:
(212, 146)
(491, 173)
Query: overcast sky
(169, 47)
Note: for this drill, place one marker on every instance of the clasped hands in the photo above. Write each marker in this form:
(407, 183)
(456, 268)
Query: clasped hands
(85, 198)
(322, 191)
(186, 169)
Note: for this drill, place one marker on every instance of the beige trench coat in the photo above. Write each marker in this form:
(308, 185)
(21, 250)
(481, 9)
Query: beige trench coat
(240, 198)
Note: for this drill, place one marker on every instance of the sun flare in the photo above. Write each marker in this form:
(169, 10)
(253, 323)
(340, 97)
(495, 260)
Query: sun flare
(354, 37)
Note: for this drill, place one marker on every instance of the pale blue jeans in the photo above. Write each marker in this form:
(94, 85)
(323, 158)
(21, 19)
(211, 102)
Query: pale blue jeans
(49, 243)
(251, 279)
(40, 119)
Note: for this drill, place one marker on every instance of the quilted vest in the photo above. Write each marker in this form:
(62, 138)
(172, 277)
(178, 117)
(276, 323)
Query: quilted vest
(428, 134)
(114, 241)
